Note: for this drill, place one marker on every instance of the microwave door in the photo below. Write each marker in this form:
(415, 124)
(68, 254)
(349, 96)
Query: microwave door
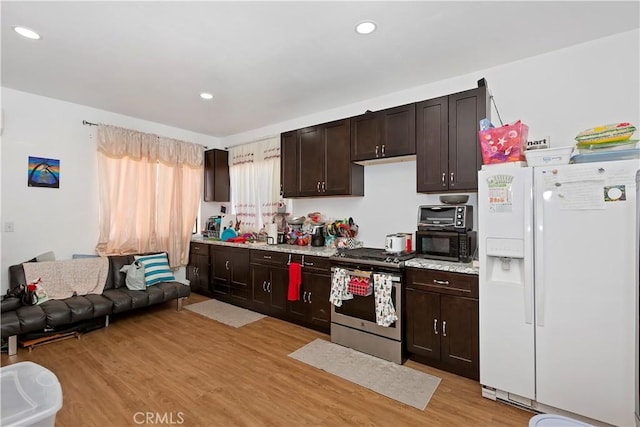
(439, 245)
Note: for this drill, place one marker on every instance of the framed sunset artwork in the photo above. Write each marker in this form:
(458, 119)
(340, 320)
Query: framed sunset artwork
(43, 172)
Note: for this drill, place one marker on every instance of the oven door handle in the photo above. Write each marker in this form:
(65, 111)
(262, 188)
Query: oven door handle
(368, 274)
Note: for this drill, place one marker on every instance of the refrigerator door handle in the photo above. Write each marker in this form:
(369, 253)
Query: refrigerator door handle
(539, 256)
(528, 296)
(539, 303)
(528, 251)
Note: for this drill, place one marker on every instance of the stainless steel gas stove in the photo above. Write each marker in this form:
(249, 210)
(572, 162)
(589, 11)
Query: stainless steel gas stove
(354, 324)
(372, 257)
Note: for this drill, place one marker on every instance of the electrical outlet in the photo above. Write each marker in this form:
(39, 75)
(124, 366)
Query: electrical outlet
(8, 227)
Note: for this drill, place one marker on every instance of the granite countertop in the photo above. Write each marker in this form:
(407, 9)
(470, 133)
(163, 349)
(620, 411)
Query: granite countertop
(433, 264)
(417, 262)
(290, 249)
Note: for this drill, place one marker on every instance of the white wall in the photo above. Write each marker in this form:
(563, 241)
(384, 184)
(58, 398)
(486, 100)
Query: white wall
(62, 220)
(557, 94)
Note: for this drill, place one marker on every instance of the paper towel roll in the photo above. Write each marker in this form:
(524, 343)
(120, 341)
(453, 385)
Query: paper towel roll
(272, 233)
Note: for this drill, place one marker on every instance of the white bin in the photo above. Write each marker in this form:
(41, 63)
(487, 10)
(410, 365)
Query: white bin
(31, 395)
(549, 156)
(550, 420)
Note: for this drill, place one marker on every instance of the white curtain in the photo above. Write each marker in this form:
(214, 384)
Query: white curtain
(149, 193)
(254, 171)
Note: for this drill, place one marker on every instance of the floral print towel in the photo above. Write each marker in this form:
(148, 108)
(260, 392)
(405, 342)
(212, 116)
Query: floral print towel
(382, 288)
(339, 283)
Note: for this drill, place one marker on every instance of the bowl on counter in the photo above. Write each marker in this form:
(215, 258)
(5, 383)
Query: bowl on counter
(296, 220)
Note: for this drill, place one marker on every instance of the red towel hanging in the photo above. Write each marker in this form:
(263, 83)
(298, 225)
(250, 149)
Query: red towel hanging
(295, 280)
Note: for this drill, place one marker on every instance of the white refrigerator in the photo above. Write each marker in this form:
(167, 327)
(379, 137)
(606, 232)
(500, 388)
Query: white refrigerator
(558, 251)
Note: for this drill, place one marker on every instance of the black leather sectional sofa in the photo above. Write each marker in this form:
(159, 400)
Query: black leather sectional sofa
(57, 315)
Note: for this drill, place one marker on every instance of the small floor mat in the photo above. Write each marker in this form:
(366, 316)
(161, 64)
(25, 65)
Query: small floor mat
(398, 382)
(225, 313)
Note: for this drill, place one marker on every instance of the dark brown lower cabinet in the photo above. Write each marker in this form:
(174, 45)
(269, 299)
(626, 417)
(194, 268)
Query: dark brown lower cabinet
(198, 268)
(313, 308)
(270, 286)
(259, 280)
(442, 320)
(230, 278)
(269, 282)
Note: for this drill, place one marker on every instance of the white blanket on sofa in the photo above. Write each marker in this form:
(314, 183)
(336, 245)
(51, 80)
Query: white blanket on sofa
(61, 279)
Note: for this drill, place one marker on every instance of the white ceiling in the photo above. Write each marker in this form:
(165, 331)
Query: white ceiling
(268, 62)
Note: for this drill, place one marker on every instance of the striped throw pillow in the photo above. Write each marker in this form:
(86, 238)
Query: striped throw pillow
(156, 268)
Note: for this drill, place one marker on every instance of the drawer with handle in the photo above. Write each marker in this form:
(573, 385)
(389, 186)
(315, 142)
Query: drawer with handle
(269, 257)
(444, 282)
(199, 248)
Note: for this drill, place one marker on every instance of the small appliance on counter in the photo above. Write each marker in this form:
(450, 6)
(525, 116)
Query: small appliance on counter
(280, 219)
(317, 235)
(445, 217)
(213, 227)
(445, 232)
(398, 243)
(272, 233)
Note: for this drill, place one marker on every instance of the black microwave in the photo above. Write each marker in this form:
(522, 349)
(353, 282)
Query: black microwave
(446, 245)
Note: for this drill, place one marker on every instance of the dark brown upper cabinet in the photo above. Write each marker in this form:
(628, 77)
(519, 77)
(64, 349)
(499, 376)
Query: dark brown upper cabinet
(448, 155)
(216, 176)
(322, 165)
(289, 164)
(384, 134)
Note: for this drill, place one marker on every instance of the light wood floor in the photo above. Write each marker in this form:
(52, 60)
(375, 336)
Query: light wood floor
(184, 369)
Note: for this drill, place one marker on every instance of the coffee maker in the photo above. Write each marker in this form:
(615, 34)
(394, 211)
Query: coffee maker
(317, 235)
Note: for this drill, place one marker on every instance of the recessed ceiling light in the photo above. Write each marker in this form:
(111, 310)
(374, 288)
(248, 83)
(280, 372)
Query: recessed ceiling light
(26, 32)
(366, 27)
(206, 95)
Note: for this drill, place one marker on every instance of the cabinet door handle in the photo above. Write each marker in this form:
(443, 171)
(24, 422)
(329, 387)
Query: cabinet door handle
(289, 260)
(264, 286)
(444, 179)
(324, 187)
(435, 326)
(444, 328)
(266, 256)
(304, 296)
(269, 287)
(451, 178)
(281, 190)
(318, 187)
(382, 150)
(308, 264)
(376, 151)
(441, 282)
(309, 298)
(226, 264)
(302, 263)
(195, 271)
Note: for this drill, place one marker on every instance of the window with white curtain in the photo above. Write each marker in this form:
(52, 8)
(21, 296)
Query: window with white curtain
(254, 171)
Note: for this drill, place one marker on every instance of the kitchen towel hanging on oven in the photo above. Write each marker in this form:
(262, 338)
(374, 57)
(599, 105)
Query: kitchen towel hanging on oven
(339, 286)
(383, 288)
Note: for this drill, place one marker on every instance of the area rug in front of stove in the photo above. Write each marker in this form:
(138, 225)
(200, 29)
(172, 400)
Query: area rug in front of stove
(398, 382)
(225, 313)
